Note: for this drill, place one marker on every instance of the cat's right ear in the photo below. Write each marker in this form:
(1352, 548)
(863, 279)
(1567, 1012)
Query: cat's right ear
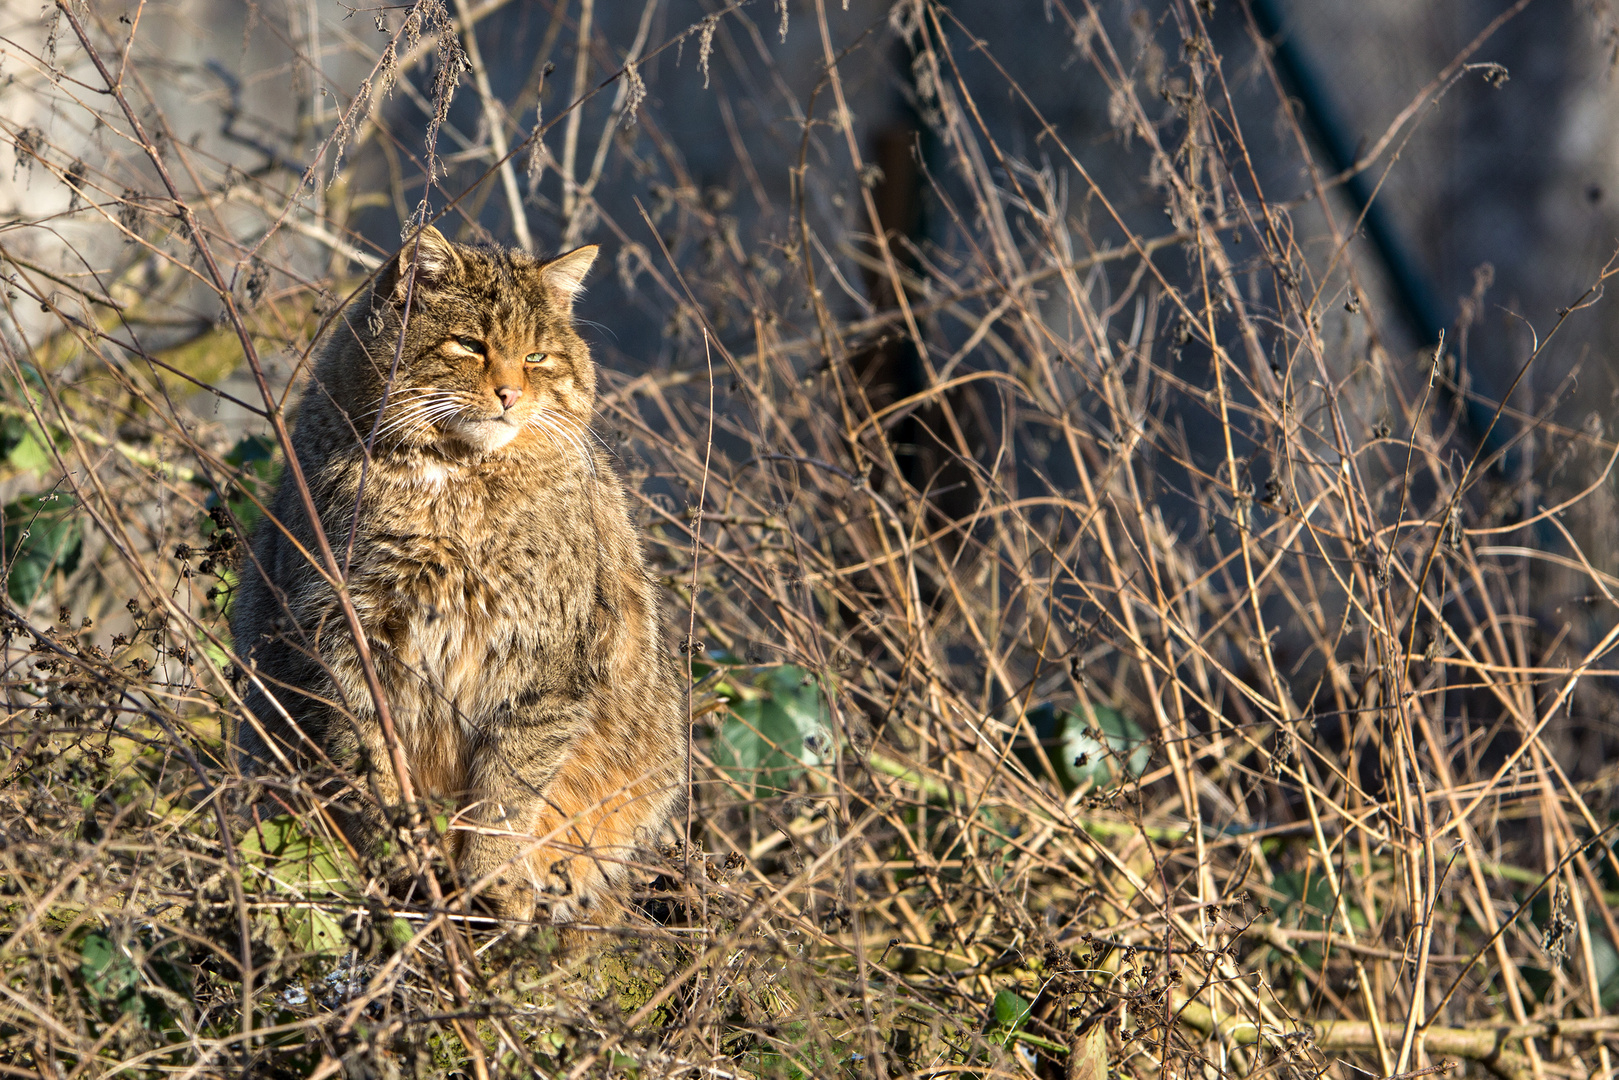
(435, 260)
(564, 275)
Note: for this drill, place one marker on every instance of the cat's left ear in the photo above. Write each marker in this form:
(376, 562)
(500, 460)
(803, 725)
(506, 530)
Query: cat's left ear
(565, 274)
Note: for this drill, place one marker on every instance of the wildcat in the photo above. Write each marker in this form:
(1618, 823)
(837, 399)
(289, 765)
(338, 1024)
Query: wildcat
(496, 573)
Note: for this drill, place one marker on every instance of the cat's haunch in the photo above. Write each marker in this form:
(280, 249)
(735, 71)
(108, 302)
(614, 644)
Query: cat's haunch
(497, 575)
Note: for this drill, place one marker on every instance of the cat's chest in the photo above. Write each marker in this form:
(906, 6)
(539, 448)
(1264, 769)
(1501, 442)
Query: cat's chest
(475, 567)
(472, 591)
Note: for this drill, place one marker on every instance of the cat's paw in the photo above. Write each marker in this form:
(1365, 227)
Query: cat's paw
(509, 895)
(498, 879)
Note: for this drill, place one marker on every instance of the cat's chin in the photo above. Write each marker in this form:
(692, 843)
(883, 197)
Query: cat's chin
(485, 436)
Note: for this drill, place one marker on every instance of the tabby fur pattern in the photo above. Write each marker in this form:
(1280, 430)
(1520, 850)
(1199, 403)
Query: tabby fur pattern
(496, 573)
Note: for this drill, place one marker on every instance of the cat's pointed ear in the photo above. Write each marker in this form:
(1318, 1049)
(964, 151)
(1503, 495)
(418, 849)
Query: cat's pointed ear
(564, 274)
(435, 260)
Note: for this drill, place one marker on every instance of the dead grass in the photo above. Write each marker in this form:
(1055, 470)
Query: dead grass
(1091, 629)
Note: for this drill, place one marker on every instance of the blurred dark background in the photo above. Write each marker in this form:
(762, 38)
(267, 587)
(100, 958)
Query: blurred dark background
(1502, 187)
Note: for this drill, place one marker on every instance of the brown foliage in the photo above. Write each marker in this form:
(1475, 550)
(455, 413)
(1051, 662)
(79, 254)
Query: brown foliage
(1097, 619)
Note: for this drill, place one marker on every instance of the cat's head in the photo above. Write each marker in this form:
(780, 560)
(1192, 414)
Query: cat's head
(488, 358)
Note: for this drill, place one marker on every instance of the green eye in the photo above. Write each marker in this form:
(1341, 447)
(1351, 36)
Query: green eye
(536, 358)
(471, 345)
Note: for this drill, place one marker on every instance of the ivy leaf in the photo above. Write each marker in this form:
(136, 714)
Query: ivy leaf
(1089, 738)
(1092, 745)
(108, 972)
(111, 977)
(304, 868)
(1088, 1058)
(29, 455)
(769, 739)
(1008, 1014)
(1607, 970)
(41, 534)
(23, 447)
(253, 459)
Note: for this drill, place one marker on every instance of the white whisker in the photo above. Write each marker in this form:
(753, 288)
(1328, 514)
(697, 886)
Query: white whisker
(574, 424)
(567, 427)
(539, 424)
(419, 415)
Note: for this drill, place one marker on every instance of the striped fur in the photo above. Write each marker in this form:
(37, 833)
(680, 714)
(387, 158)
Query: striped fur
(497, 575)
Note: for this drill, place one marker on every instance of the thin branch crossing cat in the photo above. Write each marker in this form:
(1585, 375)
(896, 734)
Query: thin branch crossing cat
(496, 572)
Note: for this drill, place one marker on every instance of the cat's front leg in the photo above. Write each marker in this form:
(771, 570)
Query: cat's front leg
(503, 850)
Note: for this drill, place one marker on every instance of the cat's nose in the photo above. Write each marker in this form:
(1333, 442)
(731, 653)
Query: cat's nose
(508, 395)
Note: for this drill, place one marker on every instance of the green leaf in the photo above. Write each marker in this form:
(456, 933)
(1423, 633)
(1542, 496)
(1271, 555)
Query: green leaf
(1607, 970)
(1307, 902)
(769, 740)
(316, 931)
(302, 867)
(254, 461)
(26, 446)
(1011, 1009)
(796, 1055)
(41, 534)
(1088, 745)
(13, 430)
(255, 454)
(1092, 736)
(29, 455)
(111, 976)
(108, 972)
(218, 656)
(1008, 1014)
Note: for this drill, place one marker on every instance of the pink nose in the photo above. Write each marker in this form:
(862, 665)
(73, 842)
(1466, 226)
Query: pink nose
(508, 395)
